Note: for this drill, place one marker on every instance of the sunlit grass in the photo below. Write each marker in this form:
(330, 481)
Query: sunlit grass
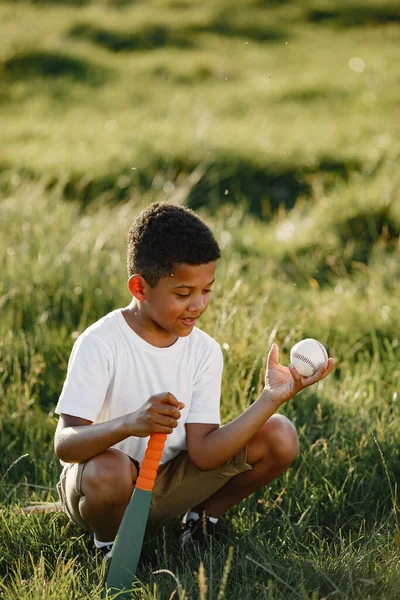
(231, 96)
(252, 113)
(334, 507)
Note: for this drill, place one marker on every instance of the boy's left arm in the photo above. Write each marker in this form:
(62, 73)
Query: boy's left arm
(210, 446)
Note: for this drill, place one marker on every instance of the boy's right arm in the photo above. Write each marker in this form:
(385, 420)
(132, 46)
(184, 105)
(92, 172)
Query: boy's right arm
(76, 439)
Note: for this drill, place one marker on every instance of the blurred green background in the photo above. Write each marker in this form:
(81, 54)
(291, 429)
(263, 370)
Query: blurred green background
(278, 121)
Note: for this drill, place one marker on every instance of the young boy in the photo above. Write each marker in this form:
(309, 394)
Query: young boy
(147, 368)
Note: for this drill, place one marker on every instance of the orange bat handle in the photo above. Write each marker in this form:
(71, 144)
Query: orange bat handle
(151, 462)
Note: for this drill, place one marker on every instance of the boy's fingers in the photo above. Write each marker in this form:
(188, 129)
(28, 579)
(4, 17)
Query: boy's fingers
(320, 373)
(174, 402)
(167, 398)
(306, 381)
(170, 398)
(296, 376)
(166, 421)
(166, 409)
(273, 356)
(329, 366)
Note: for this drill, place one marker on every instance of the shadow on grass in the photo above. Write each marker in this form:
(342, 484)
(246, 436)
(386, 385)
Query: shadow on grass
(223, 24)
(157, 36)
(53, 65)
(56, 2)
(124, 3)
(227, 180)
(358, 237)
(313, 95)
(366, 228)
(355, 16)
(269, 3)
(233, 180)
(248, 32)
(266, 187)
(195, 75)
(270, 186)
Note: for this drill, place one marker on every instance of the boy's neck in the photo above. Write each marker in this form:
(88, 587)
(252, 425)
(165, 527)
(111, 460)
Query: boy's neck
(147, 329)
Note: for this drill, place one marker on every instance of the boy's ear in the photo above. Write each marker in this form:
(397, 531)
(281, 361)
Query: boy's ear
(136, 286)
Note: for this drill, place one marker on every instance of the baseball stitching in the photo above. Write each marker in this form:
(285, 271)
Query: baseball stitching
(305, 359)
(324, 352)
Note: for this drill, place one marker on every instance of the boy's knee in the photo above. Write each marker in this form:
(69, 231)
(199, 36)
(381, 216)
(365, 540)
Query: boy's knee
(108, 477)
(282, 439)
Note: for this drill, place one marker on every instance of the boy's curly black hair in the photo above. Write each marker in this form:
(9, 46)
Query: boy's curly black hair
(165, 235)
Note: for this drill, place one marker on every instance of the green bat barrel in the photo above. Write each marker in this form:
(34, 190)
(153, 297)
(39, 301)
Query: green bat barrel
(128, 543)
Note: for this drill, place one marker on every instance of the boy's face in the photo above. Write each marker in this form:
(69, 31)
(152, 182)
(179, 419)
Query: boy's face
(176, 303)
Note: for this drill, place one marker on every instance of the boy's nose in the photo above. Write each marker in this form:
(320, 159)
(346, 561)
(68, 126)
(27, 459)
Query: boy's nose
(196, 305)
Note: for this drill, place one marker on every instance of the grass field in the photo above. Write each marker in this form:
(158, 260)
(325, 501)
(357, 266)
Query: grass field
(279, 122)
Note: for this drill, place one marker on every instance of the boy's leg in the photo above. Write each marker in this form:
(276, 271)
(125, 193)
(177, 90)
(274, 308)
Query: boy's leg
(107, 485)
(108, 479)
(270, 452)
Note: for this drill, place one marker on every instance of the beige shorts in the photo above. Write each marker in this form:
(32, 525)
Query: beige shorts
(178, 487)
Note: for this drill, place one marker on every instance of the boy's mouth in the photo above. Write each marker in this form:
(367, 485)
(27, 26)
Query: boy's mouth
(189, 322)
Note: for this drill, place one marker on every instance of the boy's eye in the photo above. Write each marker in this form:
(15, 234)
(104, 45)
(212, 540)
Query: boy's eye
(187, 295)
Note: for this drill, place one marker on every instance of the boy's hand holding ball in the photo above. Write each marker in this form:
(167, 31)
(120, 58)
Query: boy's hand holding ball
(307, 356)
(309, 364)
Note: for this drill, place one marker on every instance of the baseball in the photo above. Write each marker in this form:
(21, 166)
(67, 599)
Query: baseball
(307, 356)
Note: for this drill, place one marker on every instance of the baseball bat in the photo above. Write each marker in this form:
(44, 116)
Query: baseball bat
(127, 547)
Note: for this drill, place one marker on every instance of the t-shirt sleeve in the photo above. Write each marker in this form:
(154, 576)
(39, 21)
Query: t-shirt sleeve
(88, 377)
(205, 405)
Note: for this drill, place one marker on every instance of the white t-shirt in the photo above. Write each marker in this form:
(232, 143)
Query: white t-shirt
(112, 372)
